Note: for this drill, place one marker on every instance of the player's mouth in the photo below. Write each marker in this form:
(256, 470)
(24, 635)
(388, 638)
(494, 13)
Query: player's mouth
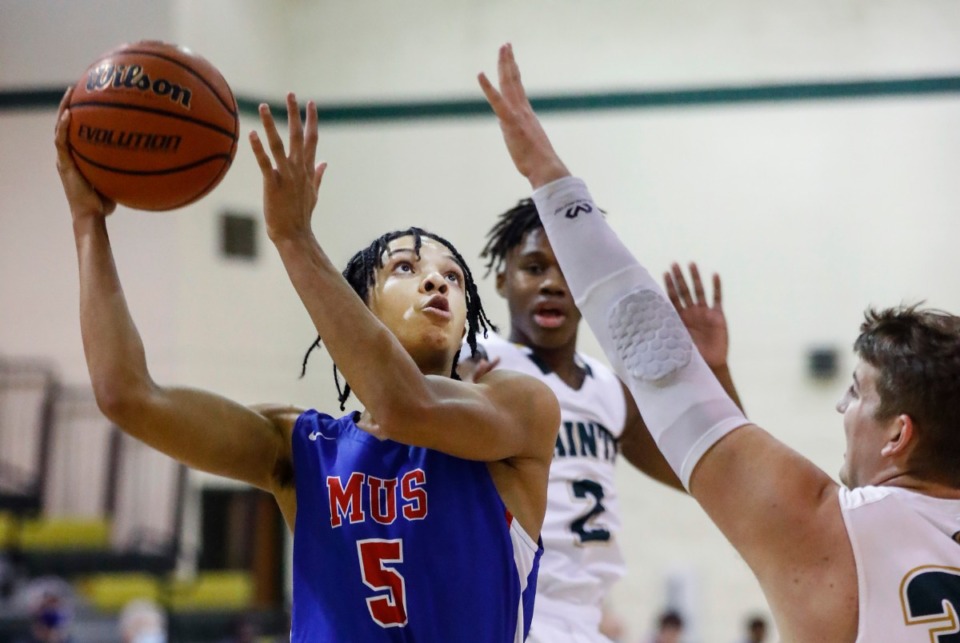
(438, 306)
(549, 316)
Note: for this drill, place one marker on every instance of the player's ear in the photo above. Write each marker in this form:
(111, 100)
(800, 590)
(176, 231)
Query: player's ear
(501, 283)
(903, 434)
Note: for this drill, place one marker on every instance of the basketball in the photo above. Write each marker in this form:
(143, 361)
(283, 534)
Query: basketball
(153, 126)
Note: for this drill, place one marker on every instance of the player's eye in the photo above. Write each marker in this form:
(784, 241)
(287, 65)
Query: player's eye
(404, 267)
(534, 269)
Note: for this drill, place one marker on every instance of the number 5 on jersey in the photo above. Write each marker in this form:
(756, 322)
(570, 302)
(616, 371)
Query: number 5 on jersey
(377, 560)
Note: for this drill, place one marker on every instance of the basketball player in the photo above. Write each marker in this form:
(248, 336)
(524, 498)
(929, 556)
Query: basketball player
(599, 419)
(873, 561)
(415, 520)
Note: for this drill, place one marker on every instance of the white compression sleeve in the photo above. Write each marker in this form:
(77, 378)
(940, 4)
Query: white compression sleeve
(682, 403)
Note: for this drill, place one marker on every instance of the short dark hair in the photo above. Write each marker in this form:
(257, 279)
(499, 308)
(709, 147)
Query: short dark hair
(756, 623)
(361, 273)
(917, 355)
(508, 232)
(671, 618)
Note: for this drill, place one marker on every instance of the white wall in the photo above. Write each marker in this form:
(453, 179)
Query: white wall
(810, 211)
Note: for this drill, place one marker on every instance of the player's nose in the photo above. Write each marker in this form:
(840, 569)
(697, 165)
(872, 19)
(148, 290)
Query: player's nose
(433, 282)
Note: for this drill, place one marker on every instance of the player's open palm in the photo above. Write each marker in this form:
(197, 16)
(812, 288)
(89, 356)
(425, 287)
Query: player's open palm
(705, 321)
(291, 181)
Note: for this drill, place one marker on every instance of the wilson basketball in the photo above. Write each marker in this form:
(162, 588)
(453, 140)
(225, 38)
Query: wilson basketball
(153, 126)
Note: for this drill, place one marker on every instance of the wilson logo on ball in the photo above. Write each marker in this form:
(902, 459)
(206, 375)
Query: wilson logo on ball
(153, 126)
(133, 77)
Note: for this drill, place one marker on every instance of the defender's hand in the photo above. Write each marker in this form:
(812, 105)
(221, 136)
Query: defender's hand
(707, 324)
(527, 142)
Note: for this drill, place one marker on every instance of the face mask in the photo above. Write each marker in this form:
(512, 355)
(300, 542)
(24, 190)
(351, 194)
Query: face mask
(52, 618)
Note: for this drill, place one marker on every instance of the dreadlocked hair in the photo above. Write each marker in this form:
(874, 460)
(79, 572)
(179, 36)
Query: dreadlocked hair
(361, 273)
(508, 232)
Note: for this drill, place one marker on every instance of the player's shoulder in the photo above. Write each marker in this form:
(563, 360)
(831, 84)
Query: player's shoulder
(526, 392)
(518, 383)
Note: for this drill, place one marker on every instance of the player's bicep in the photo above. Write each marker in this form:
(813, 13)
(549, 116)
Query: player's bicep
(768, 500)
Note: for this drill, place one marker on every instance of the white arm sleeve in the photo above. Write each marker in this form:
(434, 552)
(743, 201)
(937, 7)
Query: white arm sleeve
(682, 403)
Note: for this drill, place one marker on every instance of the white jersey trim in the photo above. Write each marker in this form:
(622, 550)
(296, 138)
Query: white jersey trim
(524, 558)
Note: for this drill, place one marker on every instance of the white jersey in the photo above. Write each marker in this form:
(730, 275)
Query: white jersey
(581, 558)
(908, 564)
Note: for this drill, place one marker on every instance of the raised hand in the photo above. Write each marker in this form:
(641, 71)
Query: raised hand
(291, 181)
(84, 200)
(706, 323)
(529, 147)
(473, 369)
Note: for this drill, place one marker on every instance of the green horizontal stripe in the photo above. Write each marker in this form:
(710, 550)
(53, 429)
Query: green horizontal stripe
(46, 98)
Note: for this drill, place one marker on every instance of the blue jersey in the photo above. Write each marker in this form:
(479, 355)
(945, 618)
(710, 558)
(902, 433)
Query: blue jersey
(401, 543)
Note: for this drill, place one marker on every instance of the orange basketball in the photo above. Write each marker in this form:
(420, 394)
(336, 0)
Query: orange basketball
(153, 125)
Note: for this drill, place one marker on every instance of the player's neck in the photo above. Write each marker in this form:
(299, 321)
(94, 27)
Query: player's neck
(558, 360)
(926, 486)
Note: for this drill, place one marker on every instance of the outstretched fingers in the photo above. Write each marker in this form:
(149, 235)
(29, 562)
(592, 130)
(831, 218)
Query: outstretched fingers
(295, 125)
(274, 142)
(672, 293)
(509, 74)
(263, 160)
(717, 293)
(493, 96)
(318, 176)
(311, 137)
(698, 291)
(681, 284)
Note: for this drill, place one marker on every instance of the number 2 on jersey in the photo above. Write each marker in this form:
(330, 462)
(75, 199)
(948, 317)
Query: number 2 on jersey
(388, 610)
(931, 598)
(583, 489)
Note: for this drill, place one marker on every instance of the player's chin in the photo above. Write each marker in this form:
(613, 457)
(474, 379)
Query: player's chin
(551, 340)
(844, 477)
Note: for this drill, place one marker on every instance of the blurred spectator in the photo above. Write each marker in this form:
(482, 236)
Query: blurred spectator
(611, 625)
(142, 621)
(669, 628)
(6, 578)
(756, 630)
(244, 630)
(50, 604)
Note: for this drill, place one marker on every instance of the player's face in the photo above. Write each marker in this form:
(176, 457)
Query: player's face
(542, 312)
(421, 299)
(864, 433)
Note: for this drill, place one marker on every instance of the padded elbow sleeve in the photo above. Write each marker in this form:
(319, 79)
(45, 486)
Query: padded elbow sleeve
(684, 406)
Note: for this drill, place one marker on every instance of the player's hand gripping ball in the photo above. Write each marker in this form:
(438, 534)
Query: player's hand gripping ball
(153, 126)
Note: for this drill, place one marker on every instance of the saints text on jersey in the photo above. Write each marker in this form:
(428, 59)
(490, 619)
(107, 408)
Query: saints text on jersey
(585, 440)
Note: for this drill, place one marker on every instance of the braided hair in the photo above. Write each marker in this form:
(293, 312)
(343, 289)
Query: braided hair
(361, 273)
(508, 232)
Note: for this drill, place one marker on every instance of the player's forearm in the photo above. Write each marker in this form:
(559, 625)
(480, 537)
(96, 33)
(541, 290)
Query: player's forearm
(723, 376)
(638, 328)
(111, 343)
